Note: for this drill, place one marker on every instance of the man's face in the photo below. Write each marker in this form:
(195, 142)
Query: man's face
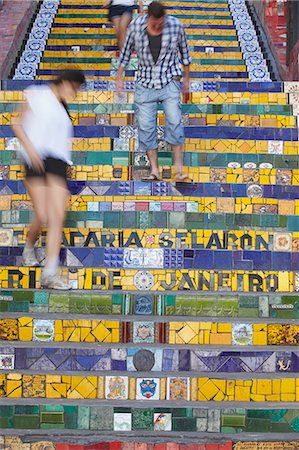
(156, 24)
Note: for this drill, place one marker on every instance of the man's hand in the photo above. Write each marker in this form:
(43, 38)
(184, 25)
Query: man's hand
(120, 86)
(186, 85)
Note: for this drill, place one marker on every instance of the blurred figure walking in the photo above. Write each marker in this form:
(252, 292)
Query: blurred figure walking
(45, 131)
(158, 39)
(120, 14)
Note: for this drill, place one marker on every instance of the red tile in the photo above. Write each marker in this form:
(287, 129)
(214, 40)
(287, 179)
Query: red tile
(141, 206)
(212, 447)
(115, 445)
(227, 446)
(160, 447)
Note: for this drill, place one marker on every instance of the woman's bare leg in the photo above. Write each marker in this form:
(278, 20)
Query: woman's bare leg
(36, 188)
(116, 23)
(123, 26)
(57, 193)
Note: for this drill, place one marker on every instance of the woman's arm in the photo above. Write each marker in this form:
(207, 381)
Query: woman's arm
(141, 10)
(18, 130)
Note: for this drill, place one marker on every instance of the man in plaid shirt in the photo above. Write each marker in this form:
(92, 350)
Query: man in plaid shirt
(158, 39)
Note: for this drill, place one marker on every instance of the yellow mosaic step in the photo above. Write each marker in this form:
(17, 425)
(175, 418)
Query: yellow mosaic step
(101, 66)
(195, 174)
(241, 120)
(17, 385)
(95, 78)
(191, 145)
(103, 41)
(202, 98)
(189, 333)
(160, 237)
(162, 280)
(166, 3)
(111, 54)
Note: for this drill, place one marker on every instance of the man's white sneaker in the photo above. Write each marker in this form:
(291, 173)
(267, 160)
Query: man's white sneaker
(54, 282)
(29, 259)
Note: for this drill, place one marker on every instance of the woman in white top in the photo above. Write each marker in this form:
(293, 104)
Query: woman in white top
(120, 14)
(44, 131)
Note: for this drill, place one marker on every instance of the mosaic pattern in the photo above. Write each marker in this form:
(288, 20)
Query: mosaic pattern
(186, 389)
(208, 305)
(211, 420)
(255, 62)
(148, 360)
(223, 245)
(27, 67)
(89, 331)
(12, 441)
(15, 442)
(164, 280)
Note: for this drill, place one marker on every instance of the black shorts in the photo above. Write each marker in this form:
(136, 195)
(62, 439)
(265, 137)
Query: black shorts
(52, 165)
(119, 10)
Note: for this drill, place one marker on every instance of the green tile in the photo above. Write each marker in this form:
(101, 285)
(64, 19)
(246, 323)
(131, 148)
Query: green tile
(52, 417)
(184, 424)
(143, 419)
(26, 422)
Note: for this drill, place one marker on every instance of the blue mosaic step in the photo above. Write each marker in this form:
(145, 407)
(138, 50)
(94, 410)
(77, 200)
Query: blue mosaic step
(129, 258)
(202, 86)
(190, 193)
(148, 359)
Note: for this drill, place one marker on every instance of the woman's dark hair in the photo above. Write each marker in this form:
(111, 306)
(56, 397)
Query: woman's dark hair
(72, 76)
(156, 10)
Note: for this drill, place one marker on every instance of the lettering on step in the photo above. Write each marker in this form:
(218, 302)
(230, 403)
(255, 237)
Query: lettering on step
(221, 240)
(180, 239)
(171, 280)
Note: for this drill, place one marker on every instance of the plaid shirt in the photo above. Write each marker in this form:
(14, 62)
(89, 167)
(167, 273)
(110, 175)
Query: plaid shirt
(169, 64)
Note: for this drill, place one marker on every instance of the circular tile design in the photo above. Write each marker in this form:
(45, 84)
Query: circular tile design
(255, 191)
(144, 360)
(249, 165)
(144, 280)
(35, 45)
(265, 166)
(234, 165)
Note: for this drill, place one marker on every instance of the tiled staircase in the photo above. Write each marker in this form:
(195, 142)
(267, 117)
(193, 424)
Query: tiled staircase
(182, 323)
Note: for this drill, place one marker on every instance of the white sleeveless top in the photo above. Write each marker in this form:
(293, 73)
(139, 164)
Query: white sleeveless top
(47, 124)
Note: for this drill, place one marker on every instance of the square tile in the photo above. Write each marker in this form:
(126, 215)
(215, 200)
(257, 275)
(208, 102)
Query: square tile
(275, 147)
(162, 421)
(242, 334)
(7, 362)
(6, 237)
(133, 257)
(116, 388)
(144, 332)
(153, 258)
(122, 421)
(43, 330)
(282, 242)
(147, 388)
(178, 388)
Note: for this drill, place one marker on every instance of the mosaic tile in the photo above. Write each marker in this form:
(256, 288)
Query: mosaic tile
(148, 389)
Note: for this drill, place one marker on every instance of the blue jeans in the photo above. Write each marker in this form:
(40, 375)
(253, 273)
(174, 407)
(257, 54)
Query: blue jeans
(146, 108)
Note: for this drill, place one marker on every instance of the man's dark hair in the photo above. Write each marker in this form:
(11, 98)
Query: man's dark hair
(156, 10)
(72, 76)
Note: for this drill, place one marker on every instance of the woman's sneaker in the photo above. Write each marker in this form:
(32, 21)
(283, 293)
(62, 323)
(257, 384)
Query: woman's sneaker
(29, 258)
(53, 282)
